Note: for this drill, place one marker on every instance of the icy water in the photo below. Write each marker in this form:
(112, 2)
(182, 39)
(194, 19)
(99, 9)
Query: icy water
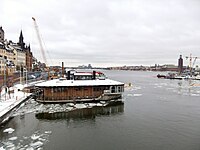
(157, 114)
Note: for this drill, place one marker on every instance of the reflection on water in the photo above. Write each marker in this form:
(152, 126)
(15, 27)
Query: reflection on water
(156, 114)
(85, 113)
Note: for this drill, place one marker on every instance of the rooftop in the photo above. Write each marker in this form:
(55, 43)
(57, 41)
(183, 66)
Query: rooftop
(97, 82)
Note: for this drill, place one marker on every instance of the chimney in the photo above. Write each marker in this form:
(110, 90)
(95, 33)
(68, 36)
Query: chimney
(94, 75)
(68, 75)
(63, 69)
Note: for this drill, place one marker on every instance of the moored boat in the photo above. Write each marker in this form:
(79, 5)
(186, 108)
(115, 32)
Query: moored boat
(161, 76)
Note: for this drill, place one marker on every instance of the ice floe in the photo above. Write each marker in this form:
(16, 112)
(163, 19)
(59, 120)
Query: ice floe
(137, 94)
(9, 130)
(91, 105)
(31, 106)
(48, 132)
(30, 148)
(129, 95)
(8, 145)
(36, 144)
(133, 88)
(13, 138)
(133, 95)
(1, 148)
(195, 94)
(32, 142)
(34, 137)
(99, 104)
(80, 106)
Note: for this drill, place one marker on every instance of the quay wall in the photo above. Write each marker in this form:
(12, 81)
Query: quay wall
(8, 112)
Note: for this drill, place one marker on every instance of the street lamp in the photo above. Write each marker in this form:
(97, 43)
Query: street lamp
(26, 71)
(21, 73)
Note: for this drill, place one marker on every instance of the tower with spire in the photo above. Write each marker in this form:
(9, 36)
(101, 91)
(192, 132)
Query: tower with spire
(180, 65)
(21, 41)
(1, 34)
(27, 50)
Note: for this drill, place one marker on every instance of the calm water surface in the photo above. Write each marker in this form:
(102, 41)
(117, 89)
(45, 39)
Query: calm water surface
(157, 114)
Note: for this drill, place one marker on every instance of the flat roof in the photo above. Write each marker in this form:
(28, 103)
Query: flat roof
(83, 74)
(97, 82)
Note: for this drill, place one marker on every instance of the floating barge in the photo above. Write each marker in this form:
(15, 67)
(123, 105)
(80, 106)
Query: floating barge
(178, 77)
(80, 87)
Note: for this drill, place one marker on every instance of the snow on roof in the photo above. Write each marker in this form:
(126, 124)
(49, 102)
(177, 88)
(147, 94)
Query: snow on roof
(57, 82)
(81, 73)
(11, 47)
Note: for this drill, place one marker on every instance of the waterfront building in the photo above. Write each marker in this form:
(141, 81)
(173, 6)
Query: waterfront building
(80, 87)
(7, 60)
(180, 65)
(20, 56)
(2, 59)
(10, 66)
(13, 57)
(89, 66)
(29, 58)
(28, 53)
(2, 50)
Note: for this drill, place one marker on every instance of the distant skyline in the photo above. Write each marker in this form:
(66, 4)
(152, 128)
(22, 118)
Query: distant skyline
(106, 33)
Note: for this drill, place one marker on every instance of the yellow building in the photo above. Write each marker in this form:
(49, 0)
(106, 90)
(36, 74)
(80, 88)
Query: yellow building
(2, 59)
(6, 60)
(19, 56)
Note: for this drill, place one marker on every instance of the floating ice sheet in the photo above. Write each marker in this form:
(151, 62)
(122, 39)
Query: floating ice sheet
(129, 95)
(13, 138)
(80, 106)
(36, 144)
(34, 141)
(137, 95)
(35, 137)
(30, 148)
(48, 132)
(31, 106)
(9, 130)
(1, 148)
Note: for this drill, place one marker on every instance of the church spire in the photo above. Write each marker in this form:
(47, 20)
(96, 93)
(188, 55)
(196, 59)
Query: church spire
(21, 40)
(29, 47)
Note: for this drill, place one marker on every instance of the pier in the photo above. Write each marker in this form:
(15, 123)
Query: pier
(11, 101)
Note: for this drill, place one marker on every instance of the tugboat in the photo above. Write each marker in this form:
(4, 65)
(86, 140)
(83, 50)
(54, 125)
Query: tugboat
(161, 76)
(80, 87)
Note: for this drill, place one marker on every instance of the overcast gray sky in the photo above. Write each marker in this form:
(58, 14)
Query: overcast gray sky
(106, 32)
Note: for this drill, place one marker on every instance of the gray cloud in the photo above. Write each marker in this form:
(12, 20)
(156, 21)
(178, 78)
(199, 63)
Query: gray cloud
(107, 32)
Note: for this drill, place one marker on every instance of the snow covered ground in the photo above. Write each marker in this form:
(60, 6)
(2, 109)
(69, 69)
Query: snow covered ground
(8, 102)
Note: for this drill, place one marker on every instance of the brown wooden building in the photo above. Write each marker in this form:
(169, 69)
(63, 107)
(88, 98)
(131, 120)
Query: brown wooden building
(63, 90)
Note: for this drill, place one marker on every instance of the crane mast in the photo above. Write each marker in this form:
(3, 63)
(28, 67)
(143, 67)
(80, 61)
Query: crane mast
(39, 40)
(191, 64)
